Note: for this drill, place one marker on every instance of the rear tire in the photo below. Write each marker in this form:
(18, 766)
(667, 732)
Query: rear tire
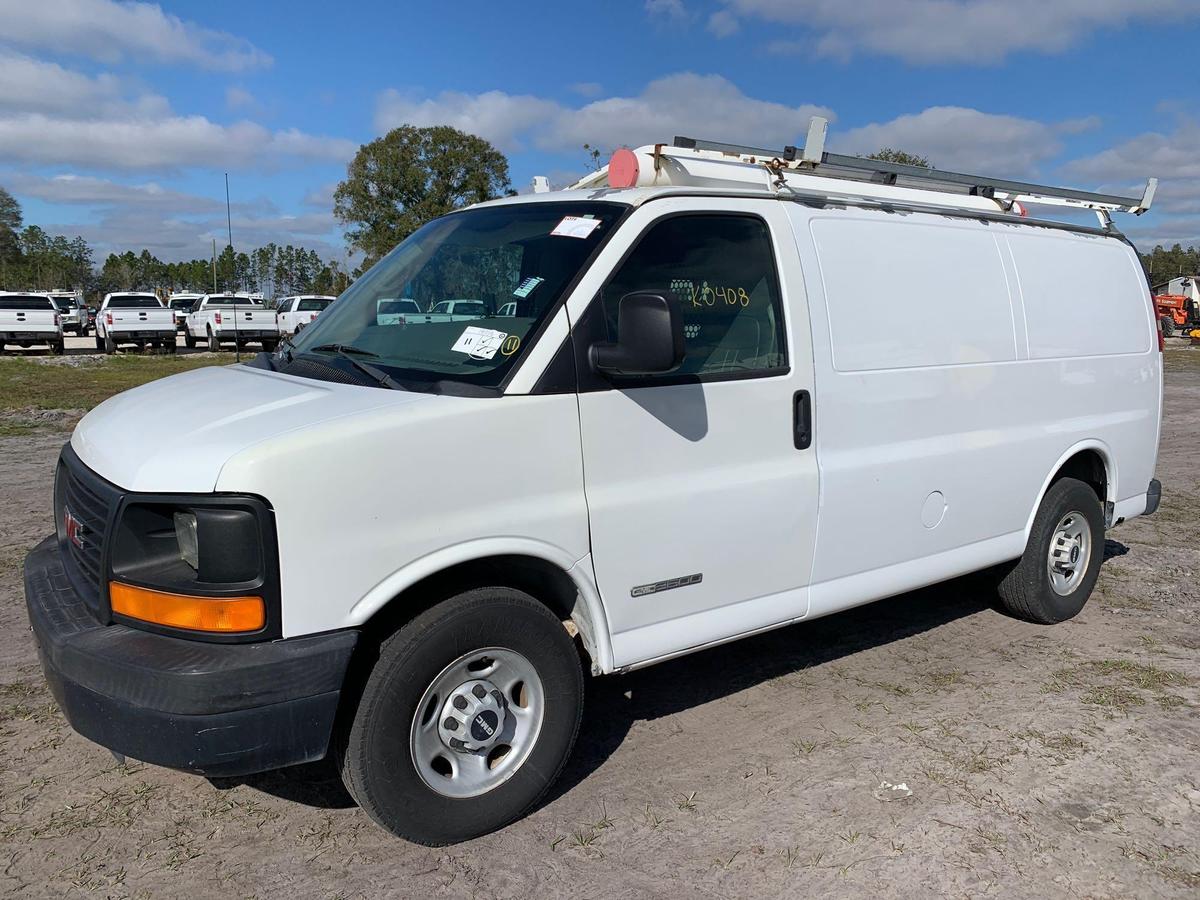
(110, 346)
(1054, 578)
(269, 346)
(170, 346)
(214, 346)
(1168, 326)
(58, 347)
(188, 340)
(397, 718)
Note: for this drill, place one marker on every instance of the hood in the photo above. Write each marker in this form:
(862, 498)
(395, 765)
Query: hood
(175, 435)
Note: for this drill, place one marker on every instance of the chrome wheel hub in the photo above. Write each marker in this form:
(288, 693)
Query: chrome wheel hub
(1069, 554)
(477, 722)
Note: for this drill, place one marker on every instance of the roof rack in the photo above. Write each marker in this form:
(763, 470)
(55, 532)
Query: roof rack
(813, 160)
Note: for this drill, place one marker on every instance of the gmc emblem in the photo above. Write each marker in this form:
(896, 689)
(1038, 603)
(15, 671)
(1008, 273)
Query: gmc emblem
(74, 528)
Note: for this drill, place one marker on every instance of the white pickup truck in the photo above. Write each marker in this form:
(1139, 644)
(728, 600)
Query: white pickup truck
(294, 313)
(181, 305)
(228, 319)
(132, 317)
(74, 313)
(28, 319)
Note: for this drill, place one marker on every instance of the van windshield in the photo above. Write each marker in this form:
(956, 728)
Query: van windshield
(519, 256)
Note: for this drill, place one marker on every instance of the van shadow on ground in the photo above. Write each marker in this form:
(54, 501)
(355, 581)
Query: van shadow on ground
(615, 703)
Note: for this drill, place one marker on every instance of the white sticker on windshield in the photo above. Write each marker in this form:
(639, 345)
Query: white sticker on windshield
(575, 226)
(479, 343)
(525, 288)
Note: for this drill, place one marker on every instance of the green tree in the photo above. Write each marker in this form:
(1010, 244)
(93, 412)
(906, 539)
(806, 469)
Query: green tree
(10, 225)
(903, 157)
(398, 182)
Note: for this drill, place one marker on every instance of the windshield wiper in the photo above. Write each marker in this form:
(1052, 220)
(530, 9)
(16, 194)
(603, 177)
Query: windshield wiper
(343, 349)
(377, 375)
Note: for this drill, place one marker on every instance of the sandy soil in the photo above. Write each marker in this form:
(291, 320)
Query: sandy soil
(1042, 762)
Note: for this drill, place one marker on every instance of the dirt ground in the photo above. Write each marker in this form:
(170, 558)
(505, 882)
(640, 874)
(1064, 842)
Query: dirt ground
(1042, 762)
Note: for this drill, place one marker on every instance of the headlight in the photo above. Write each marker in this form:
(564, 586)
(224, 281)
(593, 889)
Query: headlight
(196, 564)
(185, 536)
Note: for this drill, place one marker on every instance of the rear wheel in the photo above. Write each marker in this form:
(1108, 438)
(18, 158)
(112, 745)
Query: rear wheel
(466, 719)
(1168, 326)
(58, 347)
(110, 346)
(213, 344)
(269, 346)
(1054, 578)
(188, 340)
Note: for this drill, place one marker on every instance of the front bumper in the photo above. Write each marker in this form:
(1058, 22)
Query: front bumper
(213, 709)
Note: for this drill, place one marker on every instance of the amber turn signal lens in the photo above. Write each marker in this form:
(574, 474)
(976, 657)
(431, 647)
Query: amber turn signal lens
(225, 615)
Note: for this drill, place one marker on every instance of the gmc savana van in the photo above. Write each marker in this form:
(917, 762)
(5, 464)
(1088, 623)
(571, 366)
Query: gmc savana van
(711, 391)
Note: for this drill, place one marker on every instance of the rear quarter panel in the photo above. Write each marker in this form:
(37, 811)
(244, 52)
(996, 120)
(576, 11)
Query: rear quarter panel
(952, 359)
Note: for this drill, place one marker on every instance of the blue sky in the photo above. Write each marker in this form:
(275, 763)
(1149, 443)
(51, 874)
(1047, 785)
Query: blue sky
(118, 119)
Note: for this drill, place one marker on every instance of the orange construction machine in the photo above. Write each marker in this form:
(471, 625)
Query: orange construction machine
(1176, 312)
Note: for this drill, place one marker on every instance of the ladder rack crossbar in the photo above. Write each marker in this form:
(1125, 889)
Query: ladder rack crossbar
(863, 169)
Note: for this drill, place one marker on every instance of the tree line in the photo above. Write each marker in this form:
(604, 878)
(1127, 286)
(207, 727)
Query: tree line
(31, 259)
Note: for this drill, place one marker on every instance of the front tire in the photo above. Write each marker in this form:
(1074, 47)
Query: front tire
(1168, 326)
(1054, 578)
(188, 340)
(492, 665)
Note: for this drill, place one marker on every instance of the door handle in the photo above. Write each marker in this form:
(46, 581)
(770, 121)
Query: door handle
(802, 420)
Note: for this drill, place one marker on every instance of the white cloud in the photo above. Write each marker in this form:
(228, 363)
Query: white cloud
(683, 104)
(723, 23)
(957, 138)
(85, 190)
(1172, 158)
(159, 144)
(111, 32)
(34, 85)
(672, 10)
(951, 31)
(501, 118)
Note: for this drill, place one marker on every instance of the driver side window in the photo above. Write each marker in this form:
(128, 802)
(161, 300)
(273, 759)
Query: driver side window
(721, 270)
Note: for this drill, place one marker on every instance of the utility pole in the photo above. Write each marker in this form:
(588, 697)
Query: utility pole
(237, 345)
(214, 265)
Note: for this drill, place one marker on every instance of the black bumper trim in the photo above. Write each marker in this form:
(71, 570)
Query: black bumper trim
(216, 709)
(1153, 497)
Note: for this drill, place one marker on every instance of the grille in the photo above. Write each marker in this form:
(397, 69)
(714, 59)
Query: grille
(91, 501)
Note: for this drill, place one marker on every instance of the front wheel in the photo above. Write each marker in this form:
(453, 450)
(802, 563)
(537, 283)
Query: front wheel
(466, 719)
(1168, 326)
(188, 340)
(1054, 578)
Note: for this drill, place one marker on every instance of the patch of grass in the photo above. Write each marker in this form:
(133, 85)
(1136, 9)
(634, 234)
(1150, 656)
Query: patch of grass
(1115, 683)
(687, 802)
(25, 382)
(16, 429)
(938, 680)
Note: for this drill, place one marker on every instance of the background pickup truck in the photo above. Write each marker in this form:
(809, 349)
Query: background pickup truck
(456, 311)
(71, 308)
(294, 313)
(181, 305)
(28, 319)
(134, 318)
(225, 319)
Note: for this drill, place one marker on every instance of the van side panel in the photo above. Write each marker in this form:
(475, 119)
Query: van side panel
(1059, 274)
(875, 324)
(935, 437)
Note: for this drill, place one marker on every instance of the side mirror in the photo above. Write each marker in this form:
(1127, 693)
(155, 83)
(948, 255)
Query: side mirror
(649, 337)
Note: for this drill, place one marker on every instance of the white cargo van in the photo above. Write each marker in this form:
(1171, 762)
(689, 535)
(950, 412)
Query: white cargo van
(679, 434)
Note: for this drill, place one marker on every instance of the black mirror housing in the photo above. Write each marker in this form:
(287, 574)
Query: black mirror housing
(649, 337)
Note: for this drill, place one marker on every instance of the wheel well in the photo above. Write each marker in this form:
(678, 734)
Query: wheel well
(542, 580)
(1087, 466)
